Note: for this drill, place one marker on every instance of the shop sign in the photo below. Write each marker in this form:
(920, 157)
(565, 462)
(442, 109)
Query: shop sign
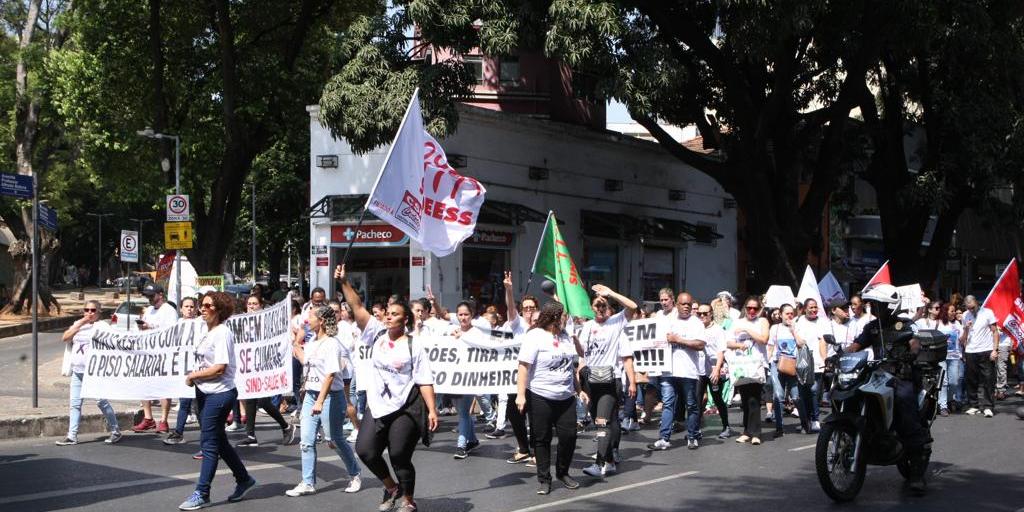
(419, 261)
(491, 239)
(321, 261)
(368, 236)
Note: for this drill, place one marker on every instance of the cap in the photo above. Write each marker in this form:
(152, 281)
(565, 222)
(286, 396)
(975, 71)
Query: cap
(725, 295)
(152, 289)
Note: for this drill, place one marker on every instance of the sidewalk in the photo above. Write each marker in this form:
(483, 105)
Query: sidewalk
(71, 302)
(19, 419)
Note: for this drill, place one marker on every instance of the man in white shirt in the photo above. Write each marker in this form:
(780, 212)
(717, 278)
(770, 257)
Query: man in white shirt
(158, 314)
(686, 335)
(981, 349)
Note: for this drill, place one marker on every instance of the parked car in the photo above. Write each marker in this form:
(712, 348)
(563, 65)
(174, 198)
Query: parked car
(119, 319)
(137, 281)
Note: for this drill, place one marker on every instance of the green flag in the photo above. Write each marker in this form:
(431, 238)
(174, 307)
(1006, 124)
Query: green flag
(554, 262)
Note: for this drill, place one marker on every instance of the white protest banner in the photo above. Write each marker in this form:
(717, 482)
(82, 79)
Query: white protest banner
(911, 297)
(463, 369)
(143, 365)
(648, 338)
(418, 192)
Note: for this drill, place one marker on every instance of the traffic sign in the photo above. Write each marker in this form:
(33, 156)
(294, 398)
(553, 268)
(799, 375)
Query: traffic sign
(16, 185)
(48, 218)
(129, 246)
(178, 235)
(177, 208)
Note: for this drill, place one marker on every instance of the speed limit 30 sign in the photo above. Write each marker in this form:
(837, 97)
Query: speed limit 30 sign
(177, 208)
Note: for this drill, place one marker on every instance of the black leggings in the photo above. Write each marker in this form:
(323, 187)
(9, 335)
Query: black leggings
(518, 422)
(750, 402)
(268, 406)
(604, 404)
(549, 417)
(716, 397)
(396, 432)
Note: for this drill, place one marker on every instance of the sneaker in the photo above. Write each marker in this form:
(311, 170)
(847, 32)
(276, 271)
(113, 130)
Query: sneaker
(288, 434)
(241, 489)
(162, 427)
(194, 502)
(248, 442)
(630, 425)
(148, 424)
(660, 444)
(755, 441)
(191, 419)
(988, 413)
(390, 497)
(303, 489)
(943, 412)
(593, 470)
(743, 439)
(406, 507)
(114, 438)
(779, 433)
(692, 444)
(353, 436)
(517, 458)
(795, 413)
(815, 427)
(354, 484)
(569, 482)
(972, 411)
(726, 433)
(174, 438)
(497, 433)
(67, 441)
(544, 488)
(472, 445)
(460, 453)
(531, 462)
(234, 427)
(609, 469)
(197, 455)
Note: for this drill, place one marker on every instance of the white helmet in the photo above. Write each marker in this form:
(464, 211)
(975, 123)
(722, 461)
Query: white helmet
(884, 293)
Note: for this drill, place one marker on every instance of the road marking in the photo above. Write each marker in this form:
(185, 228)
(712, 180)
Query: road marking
(606, 492)
(132, 483)
(802, 448)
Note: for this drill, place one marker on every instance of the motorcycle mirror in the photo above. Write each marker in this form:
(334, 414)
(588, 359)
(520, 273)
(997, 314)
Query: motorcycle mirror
(829, 339)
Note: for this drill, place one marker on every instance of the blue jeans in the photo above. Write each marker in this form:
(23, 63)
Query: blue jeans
(816, 391)
(213, 413)
(184, 409)
(486, 408)
(784, 386)
(296, 381)
(671, 389)
(951, 385)
(463, 403)
(331, 417)
(357, 397)
(75, 413)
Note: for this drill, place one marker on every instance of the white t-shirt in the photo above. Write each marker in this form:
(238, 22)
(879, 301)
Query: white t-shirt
(734, 334)
(811, 331)
(979, 336)
(217, 346)
(394, 373)
(517, 327)
(843, 333)
(373, 327)
(782, 341)
(159, 317)
(603, 344)
(686, 361)
(323, 357)
(714, 342)
(552, 363)
(434, 326)
(80, 348)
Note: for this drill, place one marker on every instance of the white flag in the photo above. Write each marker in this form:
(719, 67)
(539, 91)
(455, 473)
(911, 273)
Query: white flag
(778, 295)
(809, 288)
(419, 193)
(830, 290)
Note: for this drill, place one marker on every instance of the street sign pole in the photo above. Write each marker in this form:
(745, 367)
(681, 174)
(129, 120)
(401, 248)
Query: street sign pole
(35, 290)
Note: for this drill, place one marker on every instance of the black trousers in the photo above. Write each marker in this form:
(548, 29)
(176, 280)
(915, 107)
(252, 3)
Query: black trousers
(547, 418)
(518, 422)
(604, 404)
(981, 378)
(396, 432)
(716, 397)
(750, 402)
(250, 414)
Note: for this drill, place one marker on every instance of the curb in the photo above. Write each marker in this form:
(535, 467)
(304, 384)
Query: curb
(57, 425)
(49, 324)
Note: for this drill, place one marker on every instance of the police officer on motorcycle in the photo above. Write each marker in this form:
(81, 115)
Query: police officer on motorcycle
(881, 336)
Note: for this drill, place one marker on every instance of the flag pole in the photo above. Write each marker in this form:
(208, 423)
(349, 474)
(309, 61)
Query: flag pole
(362, 215)
(536, 254)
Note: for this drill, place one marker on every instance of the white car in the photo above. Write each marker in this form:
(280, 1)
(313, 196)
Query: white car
(119, 319)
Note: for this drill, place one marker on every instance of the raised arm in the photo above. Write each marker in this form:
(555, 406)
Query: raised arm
(510, 300)
(359, 312)
(608, 293)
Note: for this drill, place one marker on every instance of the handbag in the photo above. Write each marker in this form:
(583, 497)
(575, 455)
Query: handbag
(746, 366)
(601, 374)
(805, 365)
(786, 364)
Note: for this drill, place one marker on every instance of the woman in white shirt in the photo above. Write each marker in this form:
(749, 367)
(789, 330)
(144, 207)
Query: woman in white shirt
(79, 337)
(214, 380)
(750, 332)
(547, 388)
(325, 360)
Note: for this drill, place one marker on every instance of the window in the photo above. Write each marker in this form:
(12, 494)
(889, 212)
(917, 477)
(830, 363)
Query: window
(601, 265)
(475, 65)
(658, 271)
(509, 70)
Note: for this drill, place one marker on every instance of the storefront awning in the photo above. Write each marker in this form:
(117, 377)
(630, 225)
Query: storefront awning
(348, 207)
(618, 225)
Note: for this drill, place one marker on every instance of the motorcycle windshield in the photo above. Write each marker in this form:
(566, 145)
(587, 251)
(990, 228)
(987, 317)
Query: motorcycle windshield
(853, 362)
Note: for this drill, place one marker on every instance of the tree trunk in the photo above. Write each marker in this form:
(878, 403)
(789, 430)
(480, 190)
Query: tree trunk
(274, 258)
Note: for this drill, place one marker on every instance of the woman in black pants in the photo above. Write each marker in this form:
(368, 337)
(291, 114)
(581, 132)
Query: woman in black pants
(252, 304)
(750, 331)
(548, 385)
(518, 324)
(400, 401)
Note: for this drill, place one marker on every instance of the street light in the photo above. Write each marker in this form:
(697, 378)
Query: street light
(99, 246)
(150, 134)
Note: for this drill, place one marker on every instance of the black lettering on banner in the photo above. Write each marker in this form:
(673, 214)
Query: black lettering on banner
(661, 357)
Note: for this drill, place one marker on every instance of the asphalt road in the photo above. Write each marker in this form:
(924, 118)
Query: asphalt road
(976, 466)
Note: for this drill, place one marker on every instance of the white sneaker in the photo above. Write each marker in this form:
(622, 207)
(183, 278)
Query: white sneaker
(660, 444)
(234, 427)
(972, 411)
(794, 413)
(302, 489)
(354, 485)
(815, 426)
(988, 413)
(353, 436)
(191, 419)
(609, 468)
(593, 470)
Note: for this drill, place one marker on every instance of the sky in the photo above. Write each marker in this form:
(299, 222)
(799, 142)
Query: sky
(617, 113)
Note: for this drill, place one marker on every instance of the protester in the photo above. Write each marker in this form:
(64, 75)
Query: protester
(609, 360)
(467, 440)
(782, 351)
(518, 324)
(686, 335)
(748, 332)
(715, 378)
(158, 314)
(400, 399)
(215, 391)
(812, 328)
(254, 303)
(78, 338)
(728, 300)
(188, 311)
(980, 354)
(302, 334)
(547, 388)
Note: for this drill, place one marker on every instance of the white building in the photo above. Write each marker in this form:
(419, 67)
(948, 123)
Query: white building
(635, 218)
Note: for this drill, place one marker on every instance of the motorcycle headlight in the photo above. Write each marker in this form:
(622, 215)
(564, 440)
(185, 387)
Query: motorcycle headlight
(845, 379)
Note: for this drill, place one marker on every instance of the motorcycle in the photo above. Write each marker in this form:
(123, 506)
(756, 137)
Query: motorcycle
(859, 431)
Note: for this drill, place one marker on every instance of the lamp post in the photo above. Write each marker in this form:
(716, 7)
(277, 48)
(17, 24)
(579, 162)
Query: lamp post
(99, 246)
(150, 134)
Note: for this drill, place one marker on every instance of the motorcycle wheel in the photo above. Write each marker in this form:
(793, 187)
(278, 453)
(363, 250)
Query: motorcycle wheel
(832, 460)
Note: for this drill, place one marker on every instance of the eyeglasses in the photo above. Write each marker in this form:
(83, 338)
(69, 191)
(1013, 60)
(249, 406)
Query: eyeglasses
(529, 307)
(207, 305)
(703, 313)
(753, 308)
(89, 310)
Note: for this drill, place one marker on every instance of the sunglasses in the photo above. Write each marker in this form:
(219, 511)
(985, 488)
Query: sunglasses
(753, 308)
(207, 305)
(703, 313)
(89, 310)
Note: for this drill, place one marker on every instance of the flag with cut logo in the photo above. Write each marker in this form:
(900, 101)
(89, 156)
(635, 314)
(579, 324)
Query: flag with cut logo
(554, 262)
(1005, 302)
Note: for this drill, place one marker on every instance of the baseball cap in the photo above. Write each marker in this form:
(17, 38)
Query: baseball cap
(152, 289)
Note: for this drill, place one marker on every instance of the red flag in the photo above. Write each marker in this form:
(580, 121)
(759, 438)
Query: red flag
(1005, 302)
(880, 277)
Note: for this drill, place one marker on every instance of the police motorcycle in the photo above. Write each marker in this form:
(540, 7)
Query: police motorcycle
(860, 429)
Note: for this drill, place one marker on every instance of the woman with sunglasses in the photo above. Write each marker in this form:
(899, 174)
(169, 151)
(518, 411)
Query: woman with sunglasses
(255, 303)
(214, 380)
(750, 331)
(78, 337)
